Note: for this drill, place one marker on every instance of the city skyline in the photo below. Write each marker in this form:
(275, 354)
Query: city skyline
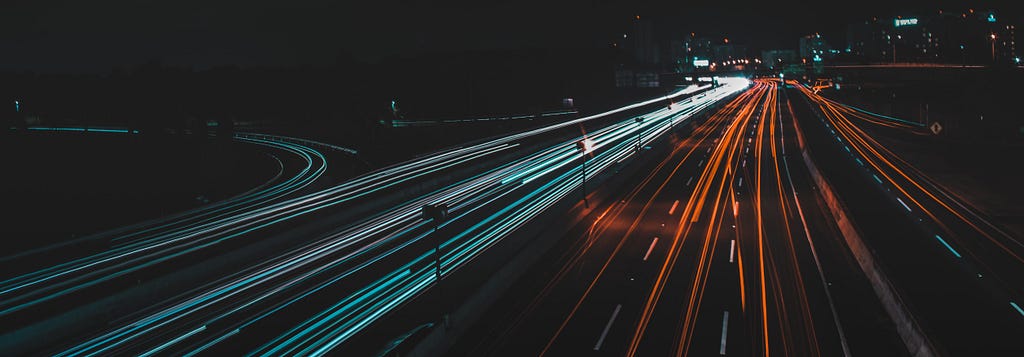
(96, 37)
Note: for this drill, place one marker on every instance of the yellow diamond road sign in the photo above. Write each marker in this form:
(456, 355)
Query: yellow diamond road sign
(935, 127)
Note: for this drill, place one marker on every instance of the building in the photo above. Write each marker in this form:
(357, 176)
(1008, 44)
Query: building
(968, 37)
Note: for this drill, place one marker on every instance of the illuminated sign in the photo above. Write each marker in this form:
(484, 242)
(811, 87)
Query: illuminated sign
(991, 17)
(700, 63)
(905, 22)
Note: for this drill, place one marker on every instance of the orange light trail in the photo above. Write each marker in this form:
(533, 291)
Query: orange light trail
(732, 136)
(707, 130)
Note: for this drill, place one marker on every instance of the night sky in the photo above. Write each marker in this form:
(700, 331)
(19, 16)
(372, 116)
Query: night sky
(95, 36)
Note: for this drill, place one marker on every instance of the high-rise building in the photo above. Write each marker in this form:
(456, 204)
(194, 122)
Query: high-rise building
(968, 37)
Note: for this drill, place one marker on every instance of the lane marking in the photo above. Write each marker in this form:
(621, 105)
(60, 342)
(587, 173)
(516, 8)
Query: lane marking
(651, 248)
(904, 204)
(876, 178)
(673, 209)
(688, 181)
(700, 163)
(725, 331)
(607, 327)
(732, 250)
(1016, 307)
(948, 246)
(741, 181)
(744, 162)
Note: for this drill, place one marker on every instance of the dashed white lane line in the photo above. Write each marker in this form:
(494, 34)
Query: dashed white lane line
(651, 248)
(725, 331)
(607, 327)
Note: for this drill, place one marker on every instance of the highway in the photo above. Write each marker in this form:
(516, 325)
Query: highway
(722, 249)
(964, 280)
(383, 261)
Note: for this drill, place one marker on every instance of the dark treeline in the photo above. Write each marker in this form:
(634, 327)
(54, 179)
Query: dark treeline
(348, 99)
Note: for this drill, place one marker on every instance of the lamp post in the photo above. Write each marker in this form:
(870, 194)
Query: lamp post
(438, 213)
(639, 133)
(898, 37)
(585, 146)
(993, 37)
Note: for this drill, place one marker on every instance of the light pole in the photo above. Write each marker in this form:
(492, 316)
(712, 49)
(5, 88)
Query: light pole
(438, 213)
(639, 132)
(585, 146)
(898, 37)
(993, 36)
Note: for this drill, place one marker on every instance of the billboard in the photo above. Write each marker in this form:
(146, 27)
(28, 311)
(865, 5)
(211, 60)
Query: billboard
(905, 22)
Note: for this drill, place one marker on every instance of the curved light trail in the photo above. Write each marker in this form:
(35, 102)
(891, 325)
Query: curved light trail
(503, 199)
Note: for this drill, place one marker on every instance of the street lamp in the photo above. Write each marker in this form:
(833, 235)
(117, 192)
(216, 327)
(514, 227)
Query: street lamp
(585, 146)
(993, 36)
(898, 37)
(438, 213)
(639, 133)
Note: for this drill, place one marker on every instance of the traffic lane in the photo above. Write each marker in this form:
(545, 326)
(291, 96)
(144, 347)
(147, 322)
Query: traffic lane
(738, 207)
(820, 329)
(687, 287)
(682, 285)
(628, 270)
(775, 221)
(983, 250)
(685, 284)
(945, 300)
(716, 324)
(866, 327)
(574, 292)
